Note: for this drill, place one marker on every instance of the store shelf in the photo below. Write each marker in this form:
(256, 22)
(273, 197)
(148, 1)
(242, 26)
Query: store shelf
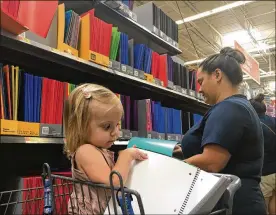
(134, 30)
(44, 61)
(42, 140)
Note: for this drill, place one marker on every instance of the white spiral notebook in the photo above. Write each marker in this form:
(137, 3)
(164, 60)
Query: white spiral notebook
(170, 186)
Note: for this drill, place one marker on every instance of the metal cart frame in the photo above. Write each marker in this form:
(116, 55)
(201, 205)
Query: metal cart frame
(55, 193)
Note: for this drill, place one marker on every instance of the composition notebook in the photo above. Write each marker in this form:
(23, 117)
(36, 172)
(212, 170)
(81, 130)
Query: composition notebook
(170, 186)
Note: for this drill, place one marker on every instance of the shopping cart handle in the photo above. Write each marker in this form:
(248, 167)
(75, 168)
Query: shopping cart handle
(231, 190)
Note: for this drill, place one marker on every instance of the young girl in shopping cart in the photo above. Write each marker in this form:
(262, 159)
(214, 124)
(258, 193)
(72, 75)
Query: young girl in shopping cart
(91, 118)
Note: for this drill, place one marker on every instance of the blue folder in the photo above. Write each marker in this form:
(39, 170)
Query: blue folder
(124, 48)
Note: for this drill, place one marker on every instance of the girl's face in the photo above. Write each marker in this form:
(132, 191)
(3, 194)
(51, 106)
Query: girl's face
(104, 127)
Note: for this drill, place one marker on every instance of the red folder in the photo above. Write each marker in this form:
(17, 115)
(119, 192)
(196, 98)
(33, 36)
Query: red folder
(37, 15)
(163, 76)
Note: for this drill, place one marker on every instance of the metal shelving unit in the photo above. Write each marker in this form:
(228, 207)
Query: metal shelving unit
(136, 31)
(51, 63)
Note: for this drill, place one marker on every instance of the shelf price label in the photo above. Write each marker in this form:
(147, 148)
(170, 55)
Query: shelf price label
(124, 68)
(54, 50)
(155, 30)
(184, 91)
(174, 87)
(136, 73)
(24, 39)
(192, 93)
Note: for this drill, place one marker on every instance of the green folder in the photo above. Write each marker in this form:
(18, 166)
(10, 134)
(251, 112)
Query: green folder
(164, 147)
(114, 43)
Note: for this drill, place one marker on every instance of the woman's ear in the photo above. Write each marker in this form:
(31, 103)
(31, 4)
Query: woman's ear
(218, 75)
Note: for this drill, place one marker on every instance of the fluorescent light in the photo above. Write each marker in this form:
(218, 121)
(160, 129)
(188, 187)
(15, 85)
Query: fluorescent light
(241, 37)
(213, 11)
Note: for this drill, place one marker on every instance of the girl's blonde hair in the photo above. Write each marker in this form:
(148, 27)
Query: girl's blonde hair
(77, 114)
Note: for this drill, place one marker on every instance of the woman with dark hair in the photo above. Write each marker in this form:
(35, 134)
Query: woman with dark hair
(229, 137)
(268, 180)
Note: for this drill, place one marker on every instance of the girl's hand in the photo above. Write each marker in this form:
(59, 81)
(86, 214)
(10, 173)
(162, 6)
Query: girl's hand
(136, 154)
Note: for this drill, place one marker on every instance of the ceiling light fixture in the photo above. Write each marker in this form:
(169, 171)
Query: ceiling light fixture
(213, 11)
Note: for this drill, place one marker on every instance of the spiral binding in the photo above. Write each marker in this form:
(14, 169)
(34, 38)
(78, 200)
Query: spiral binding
(189, 192)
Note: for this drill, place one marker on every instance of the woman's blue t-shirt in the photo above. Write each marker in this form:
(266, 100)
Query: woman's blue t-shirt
(234, 125)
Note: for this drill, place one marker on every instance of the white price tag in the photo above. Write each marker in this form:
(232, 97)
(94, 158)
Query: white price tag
(168, 39)
(136, 73)
(121, 134)
(176, 138)
(169, 138)
(154, 29)
(130, 14)
(124, 68)
(149, 135)
(161, 34)
(110, 63)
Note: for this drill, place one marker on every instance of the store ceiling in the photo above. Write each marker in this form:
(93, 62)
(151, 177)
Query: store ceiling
(210, 34)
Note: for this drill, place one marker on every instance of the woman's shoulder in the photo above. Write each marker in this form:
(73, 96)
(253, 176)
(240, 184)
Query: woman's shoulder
(232, 105)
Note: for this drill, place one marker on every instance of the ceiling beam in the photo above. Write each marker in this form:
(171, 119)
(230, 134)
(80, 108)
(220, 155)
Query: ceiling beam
(248, 22)
(193, 8)
(196, 31)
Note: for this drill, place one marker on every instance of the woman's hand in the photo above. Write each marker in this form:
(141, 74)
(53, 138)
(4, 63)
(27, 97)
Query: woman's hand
(177, 152)
(177, 149)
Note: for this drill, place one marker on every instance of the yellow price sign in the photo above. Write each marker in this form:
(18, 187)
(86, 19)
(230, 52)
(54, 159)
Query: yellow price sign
(24, 39)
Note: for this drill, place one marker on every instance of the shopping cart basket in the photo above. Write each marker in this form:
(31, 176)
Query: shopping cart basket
(52, 194)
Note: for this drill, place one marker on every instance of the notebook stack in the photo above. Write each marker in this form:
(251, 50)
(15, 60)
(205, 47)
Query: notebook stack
(100, 35)
(72, 27)
(95, 39)
(159, 68)
(154, 19)
(129, 123)
(192, 83)
(115, 41)
(174, 124)
(180, 77)
(32, 99)
(124, 55)
(158, 122)
(10, 91)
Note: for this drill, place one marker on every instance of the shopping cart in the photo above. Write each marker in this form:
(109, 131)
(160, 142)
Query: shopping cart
(53, 193)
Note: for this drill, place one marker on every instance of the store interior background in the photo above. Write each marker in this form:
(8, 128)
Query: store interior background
(250, 23)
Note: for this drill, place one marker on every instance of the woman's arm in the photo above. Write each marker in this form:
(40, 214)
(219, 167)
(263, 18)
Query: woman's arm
(213, 159)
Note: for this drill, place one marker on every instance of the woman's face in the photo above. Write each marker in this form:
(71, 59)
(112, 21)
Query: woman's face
(209, 85)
